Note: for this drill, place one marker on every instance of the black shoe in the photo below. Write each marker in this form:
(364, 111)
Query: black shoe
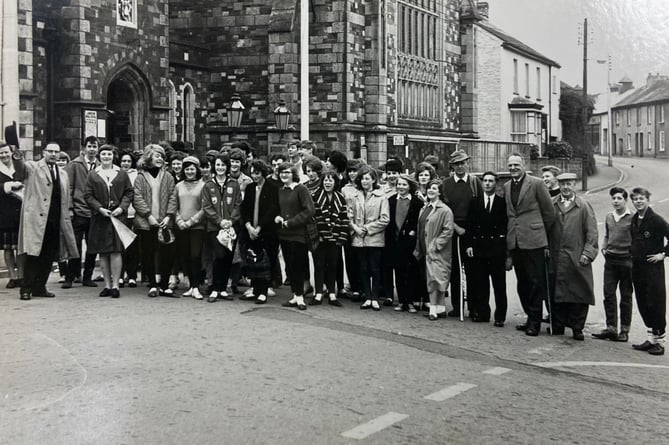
(115, 293)
(499, 324)
(132, 283)
(521, 327)
(335, 302)
(25, 295)
(432, 317)
(106, 292)
(532, 332)
(44, 294)
(356, 298)
(89, 283)
(366, 305)
(454, 313)
(67, 284)
(606, 334)
(302, 306)
(645, 346)
(577, 334)
(289, 304)
(315, 302)
(388, 302)
(11, 284)
(622, 337)
(99, 278)
(121, 284)
(261, 300)
(656, 349)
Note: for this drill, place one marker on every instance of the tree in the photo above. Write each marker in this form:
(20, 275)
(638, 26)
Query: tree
(572, 106)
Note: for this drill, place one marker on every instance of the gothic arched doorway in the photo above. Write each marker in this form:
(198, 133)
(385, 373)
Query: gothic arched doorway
(127, 105)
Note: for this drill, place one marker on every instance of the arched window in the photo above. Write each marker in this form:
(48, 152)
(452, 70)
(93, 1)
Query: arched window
(188, 104)
(172, 115)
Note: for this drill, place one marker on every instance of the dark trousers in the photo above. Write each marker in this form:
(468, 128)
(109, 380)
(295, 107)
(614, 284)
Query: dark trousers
(189, 245)
(271, 247)
(455, 274)
(340, 270)
(618, 275)
(38, 268)
(325, 267)
(352, 268)
(154, 252)
(485, 270)
(222, 263)
(406, 277)
(131, 257)
(387, 271)
(651, 294)
(570, 315)
(81, 227)
(531, 276)
(296, 255)
(370, 263)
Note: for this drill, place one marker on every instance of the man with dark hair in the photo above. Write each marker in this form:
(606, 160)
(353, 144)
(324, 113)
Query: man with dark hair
(531, 215)
(237, 160)
(459, 192)
(275, 161)
(78, 171)
(45, 230)
(393, 169)
(616, 249)
(485, 241)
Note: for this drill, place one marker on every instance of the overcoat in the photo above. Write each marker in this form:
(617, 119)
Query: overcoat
(574, 234)
(438, 246)
(35, 210)
(10, 205)
(402, 242)
(102, 238)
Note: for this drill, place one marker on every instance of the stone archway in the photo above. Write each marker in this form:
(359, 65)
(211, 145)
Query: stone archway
(128, 105)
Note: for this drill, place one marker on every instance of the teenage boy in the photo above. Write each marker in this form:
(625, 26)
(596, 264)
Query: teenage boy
(617, 268)
(649, 231)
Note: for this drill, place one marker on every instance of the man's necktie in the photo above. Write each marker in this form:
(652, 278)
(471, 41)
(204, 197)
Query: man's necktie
(488, 205)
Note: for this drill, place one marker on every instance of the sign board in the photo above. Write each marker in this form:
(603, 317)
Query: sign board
(398, 140)
(90, 123)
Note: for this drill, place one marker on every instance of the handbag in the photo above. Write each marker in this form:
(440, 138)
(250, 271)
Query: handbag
(258, 264)
(312, 236)
(165, 236)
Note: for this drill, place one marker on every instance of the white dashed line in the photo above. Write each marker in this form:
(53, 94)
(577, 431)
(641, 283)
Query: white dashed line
(585, 363)
(449, 392)
(664, 200)
(374, 425)
(496, 371)
(540, 350)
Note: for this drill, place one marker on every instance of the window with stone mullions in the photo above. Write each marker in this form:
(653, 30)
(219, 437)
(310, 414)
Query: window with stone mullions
(418, 74)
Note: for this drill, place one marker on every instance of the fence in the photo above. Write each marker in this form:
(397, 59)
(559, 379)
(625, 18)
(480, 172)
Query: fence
(492, 155)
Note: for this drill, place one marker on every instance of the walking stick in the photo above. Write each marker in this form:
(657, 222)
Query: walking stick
(463, 280)
(548, 297)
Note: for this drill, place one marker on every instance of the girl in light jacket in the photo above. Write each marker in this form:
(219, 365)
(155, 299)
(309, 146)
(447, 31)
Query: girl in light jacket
(369, 216)
(433, 247)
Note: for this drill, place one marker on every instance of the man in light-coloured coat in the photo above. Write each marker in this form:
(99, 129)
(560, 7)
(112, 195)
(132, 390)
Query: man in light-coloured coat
(45, 230)
(530, 215)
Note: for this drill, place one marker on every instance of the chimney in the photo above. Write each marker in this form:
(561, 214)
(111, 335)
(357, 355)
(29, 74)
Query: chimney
(483, 9)
(653, 79)
(626, 84)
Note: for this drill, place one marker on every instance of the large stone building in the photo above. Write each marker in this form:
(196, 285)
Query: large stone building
(384, 75)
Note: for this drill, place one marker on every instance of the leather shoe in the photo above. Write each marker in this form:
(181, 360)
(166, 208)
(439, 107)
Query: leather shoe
(499, 324)
(388, 302)
(645, 346)
(335, 302)
(577, 334)
(521, 327)
(532, 332)
(302, 306)
(25, 296)
(606, 334)
(656, 349)
(289, 304)
(106, 292)
(89, 283)
(432, 317)
(622, 337)
(115, 293)
(262, 299)
(44, 294)
(66, 285)
(315, 302)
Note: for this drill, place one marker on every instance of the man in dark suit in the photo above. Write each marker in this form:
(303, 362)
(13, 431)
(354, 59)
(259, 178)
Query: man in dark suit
(531, 215)
(485, 240)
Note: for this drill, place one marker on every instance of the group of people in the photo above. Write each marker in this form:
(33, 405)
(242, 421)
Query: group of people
(229, 215)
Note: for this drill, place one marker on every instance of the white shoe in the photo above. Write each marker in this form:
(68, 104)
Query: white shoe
(249, 292)
(196, 294)
(270, 292)
(223, 294)
(188, 293)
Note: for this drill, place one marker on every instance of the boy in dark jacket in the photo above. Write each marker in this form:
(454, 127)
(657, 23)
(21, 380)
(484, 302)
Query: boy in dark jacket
(649, 231)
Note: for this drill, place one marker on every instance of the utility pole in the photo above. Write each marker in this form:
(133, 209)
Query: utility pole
(584, 165)
(304, 69)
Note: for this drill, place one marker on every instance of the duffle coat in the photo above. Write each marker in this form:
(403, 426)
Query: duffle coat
(35, 210)
(438, 233)
(371, 212)
(574, 234)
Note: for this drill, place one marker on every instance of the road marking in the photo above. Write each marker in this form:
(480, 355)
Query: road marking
(540, 350)
(449, 392)
(585, 363)
(374, 425)
(664, 200)
(498, 370)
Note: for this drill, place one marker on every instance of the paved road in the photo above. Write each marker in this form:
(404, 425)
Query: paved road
(80, 369)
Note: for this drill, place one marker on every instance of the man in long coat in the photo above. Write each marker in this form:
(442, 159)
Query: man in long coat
(45, 230)
(573, 248)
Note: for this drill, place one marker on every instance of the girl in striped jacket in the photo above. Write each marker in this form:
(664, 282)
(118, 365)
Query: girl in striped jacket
(332, 224)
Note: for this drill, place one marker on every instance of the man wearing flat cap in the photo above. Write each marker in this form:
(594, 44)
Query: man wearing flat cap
(460, 192)
(549, 174)
(573, 245)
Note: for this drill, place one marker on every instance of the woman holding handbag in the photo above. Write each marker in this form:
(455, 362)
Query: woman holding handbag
(369, 216)
(296, 209)
(332, 224)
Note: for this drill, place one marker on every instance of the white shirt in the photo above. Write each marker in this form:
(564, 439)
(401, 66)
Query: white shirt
(489, 200)
(465, 178)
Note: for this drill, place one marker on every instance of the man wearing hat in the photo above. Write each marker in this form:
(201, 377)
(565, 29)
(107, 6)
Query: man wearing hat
(549, 174)
(460, 192)
(573, 246)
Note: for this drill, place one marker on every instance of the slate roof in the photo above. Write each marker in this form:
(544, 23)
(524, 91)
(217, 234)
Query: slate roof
(516, 45)
(658, 91)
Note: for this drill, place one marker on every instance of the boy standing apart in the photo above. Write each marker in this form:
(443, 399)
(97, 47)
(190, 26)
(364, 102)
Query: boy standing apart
(617, 268)
(649, 231)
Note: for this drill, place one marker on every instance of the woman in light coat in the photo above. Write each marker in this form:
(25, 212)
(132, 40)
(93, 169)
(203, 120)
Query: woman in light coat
(433, 247)
(369, 216)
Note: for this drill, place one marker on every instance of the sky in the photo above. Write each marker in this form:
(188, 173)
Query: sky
(635, 33)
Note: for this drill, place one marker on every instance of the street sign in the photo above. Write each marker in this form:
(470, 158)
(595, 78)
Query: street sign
(398, 140)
